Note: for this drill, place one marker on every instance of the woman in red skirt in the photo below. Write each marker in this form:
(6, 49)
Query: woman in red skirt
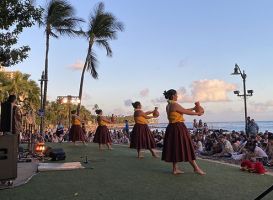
(76, 129)
(141, 136)
(177, 145)
(102, 135)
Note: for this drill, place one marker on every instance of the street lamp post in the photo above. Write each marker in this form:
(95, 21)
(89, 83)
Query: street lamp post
(41, 111)
(247, 93)
(69, 100)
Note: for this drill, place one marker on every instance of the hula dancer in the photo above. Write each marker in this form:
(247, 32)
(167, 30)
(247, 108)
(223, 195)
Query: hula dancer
(177, 145)
(141, 136)
(76, 130)
(102, 135)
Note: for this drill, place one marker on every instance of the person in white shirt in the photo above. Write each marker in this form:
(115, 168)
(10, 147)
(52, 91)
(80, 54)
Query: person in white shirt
(227, 149)
(254, 152)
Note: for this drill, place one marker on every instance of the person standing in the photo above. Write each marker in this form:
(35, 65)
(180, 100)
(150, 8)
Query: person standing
(16, 116)
(11, 116)
(102, 134)
(126, 128)
(200, 124)
(253, 128)
(177, 146)
(141, 136)
(194, 126)
(59, 129)
(76, 129)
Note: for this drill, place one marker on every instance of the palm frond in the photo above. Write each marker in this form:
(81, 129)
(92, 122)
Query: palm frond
(106, 45)
(92, 64)
(60, 18)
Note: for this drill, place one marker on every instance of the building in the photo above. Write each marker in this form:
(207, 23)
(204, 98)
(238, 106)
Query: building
(9, 74)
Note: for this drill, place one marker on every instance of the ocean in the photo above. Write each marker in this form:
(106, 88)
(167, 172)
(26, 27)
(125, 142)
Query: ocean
(237, 126)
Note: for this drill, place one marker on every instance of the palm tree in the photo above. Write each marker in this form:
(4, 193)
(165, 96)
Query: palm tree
(59, 19)
(103, 26)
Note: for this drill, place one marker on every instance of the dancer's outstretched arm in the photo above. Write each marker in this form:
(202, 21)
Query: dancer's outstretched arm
(143, 114)
(105, 119)
(149, 112)
(182, 110)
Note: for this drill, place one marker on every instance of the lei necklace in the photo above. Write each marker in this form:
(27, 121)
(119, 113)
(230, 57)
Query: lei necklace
(171, 101)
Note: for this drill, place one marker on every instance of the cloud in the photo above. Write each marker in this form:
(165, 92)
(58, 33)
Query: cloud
(78, 65)
(183, 96)
(144, 92)
(128, 102)
(159, 100)
(211, 90)
(261, 107)
(203, 90)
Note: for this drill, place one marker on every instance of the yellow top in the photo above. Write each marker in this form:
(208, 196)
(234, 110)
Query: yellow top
(175, 117)
(75, 121)
(101, 122)
(141, 120)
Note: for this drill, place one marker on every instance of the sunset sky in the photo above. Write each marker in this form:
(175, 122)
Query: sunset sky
(191, 46)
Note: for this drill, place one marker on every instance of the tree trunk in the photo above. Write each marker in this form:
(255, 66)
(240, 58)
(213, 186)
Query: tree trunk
(82, 78)
(46, 79)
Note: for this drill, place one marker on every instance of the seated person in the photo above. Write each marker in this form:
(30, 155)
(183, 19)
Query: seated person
(255, 153)
(55, 138)
(227, 149)
(269, 149)
(236, 144)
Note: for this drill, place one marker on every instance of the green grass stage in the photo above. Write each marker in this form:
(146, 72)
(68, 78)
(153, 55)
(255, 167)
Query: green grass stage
(118, 174)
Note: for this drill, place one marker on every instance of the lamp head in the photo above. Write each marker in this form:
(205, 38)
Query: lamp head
(236, 92)
(250, 92)
(236, 70)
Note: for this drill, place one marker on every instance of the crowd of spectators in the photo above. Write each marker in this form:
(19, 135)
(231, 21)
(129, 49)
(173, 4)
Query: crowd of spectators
(234, 146)
(207, 142)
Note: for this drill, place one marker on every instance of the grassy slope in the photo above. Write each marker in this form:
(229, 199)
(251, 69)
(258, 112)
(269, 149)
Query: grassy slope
(119, 175)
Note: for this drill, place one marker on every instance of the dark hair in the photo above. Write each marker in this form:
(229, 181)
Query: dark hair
(251, 145)
(73, 112)
(98, 111)
(270, 136)
(136, 104)
(11, 98)
(169, 94)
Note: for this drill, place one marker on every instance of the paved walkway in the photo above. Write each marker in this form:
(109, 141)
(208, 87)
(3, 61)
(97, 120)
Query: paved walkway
(26, 170)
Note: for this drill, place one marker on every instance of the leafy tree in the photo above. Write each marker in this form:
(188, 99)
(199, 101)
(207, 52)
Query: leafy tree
(15, 15)
(27, 91)
(103, 26)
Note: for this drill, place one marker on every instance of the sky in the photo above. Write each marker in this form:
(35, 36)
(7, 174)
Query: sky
(191, 46)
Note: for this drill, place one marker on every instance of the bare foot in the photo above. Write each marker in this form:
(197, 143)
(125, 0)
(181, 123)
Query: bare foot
(140, 157)
(177, 172)
(200, 172)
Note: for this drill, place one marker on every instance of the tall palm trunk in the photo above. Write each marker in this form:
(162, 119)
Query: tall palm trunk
(82, 77)
(46, 79)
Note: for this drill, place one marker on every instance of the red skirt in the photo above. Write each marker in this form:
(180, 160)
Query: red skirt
(142, 138)
(76, 133)
(177, 145)
(102, 135)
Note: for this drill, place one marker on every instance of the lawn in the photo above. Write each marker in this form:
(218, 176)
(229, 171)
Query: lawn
(118, 174)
